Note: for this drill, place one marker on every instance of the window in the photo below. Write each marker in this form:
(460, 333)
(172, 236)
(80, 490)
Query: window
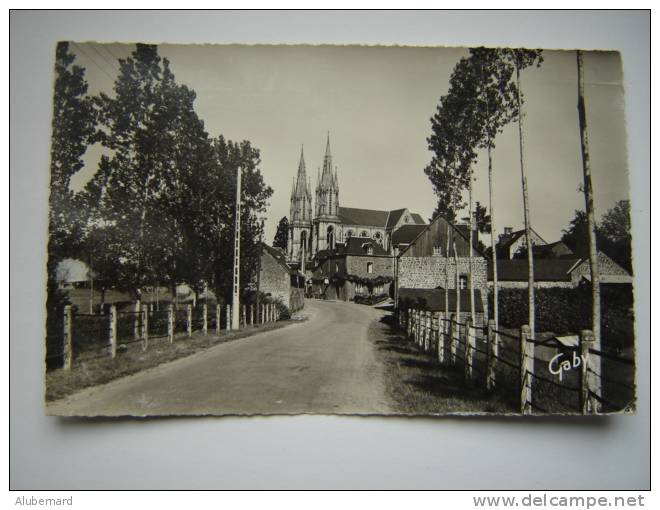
(370, 250)
(349, 234)
(379, 238)
(463, 281)
(364, 233)
(437, 250)
(370, 267)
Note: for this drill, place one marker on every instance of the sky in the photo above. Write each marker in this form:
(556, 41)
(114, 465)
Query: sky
(376, 103)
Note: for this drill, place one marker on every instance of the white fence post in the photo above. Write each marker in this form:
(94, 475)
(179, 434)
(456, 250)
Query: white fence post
(136, 320)
(244, 315)
(67, 338)
(170, 323)
(145, 326)
(526, 370)
(112, 322)
(189, 320)
(218, 317)
(228, 310)
(205, 324)
(252, 314)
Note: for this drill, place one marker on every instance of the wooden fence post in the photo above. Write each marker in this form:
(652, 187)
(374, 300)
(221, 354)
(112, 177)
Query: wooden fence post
(228, 312)
(67, 338)
(467, 336)
(205, 324)
(145, 326)
(244, 315)
(526, 370)
(441, 337)
(218, 317)
(491, 352)
(189, 320)
(170, 323)
(588, 380)
(252, 315)
(426, 329)
(112, 330)
(453, 337)
(136, 321)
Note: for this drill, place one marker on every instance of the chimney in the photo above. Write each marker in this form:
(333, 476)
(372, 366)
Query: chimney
(508, 231)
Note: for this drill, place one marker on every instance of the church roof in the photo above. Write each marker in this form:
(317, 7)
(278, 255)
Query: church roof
(394, 217)
(367, 217)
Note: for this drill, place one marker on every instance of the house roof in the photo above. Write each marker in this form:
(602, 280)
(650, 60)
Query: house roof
(506, 240)
(406, 234)
(461, 229)
(548, 270)
(434, 299)
(548, 250)
(355, 246)
(279, 256)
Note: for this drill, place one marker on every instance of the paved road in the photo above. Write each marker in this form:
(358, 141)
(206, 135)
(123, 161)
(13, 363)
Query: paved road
(324, 365)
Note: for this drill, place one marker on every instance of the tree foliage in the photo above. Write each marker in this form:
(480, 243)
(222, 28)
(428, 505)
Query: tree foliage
(161, 207)
(613, 235)
(282, 234)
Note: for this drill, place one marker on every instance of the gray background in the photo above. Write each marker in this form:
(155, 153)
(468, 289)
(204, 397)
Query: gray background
(308, 451)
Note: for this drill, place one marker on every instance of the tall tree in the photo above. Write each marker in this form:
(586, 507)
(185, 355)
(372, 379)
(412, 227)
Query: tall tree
(615, 236)
(521, 59)
(73, 127)
(282, 234)
(453, 154)
(496, 107)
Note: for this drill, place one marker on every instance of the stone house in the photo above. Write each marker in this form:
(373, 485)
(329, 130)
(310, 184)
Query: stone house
(559, 272)
(510, 242)
(278, 280)
(360, 266)
(440, 258)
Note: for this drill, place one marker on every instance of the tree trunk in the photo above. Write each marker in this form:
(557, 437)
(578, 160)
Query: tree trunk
(589, 204)
(492, 236)
(471, 226)
(528, 228)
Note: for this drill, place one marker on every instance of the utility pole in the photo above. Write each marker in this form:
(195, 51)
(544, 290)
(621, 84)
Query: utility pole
(91, 286)
(235, 308)
(261, 248)
(589, 204)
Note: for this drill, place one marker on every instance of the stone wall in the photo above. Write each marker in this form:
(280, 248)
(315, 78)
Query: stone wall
(537, 285)
(357, 266)
(274, 279)
(429, 272)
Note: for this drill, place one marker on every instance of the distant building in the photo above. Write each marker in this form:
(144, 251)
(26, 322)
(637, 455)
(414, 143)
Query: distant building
(559, 272)
(556, 250)
(280, 281)
(329, 224)
(510, 242)
(439, 258)
(360, 266)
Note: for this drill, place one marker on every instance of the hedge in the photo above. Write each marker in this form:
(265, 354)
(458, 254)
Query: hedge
(568, 310)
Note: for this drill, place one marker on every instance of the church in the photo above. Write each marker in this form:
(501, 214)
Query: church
(327, 229)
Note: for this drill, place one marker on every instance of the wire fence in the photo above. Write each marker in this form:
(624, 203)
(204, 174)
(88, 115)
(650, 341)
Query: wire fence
(541, 375)
(94, 336)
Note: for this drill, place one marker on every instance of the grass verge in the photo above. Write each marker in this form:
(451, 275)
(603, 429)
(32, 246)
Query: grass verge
(100, 370)
(417, 384)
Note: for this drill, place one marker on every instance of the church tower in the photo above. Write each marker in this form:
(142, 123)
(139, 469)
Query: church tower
(326, 218)
(300, 218)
